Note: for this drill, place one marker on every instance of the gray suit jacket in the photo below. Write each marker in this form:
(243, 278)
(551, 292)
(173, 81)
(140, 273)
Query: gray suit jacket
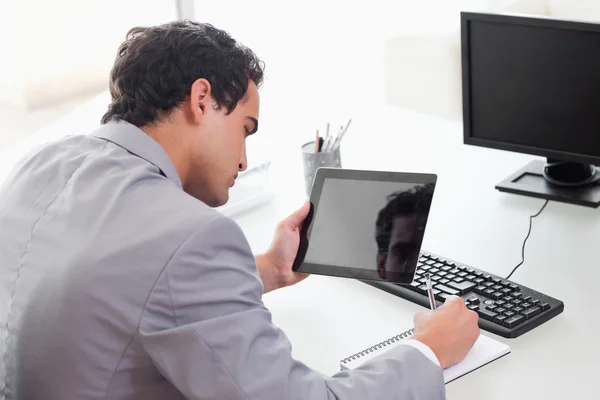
(116, 284)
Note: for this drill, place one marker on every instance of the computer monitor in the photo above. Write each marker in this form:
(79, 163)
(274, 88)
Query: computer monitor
(532, 85)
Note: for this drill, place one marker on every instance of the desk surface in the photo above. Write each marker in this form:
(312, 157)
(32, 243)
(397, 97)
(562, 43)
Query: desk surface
(327, 318)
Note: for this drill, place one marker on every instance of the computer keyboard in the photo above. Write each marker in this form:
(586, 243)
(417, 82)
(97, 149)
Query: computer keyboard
(505, 308)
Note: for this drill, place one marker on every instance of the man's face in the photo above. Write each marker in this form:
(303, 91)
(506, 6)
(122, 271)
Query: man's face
(220, 152)
(400, 249)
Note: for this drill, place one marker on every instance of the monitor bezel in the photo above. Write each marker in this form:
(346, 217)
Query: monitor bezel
(514, 19)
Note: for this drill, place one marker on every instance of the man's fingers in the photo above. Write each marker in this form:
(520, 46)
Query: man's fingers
(453, 300)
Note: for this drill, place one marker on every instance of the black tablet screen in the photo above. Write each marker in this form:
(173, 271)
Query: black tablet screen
(372, 227)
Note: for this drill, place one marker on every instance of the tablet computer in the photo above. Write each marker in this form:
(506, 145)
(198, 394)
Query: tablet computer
(367, 225)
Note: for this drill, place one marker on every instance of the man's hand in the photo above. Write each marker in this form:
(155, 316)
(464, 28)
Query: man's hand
(275, 266)
(450, 331)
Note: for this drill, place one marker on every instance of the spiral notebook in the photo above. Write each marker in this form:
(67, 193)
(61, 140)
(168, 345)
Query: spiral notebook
(484, 351)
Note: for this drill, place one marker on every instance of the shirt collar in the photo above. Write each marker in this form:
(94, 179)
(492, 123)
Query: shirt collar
(136, 141)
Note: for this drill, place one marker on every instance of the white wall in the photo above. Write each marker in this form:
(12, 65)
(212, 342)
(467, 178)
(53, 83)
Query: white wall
(11, 74)
(583, 10)
(68, 46)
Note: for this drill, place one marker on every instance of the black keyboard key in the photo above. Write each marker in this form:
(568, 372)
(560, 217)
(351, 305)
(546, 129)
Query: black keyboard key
(497, 295)
(470, 277)
(438, 265)
(462, 268)
(526, 305)
(535, 302)
(514, 287)
(497, 287)
(509, 306)
(442, 296)
(462, 287)
(518, 310)
(479, 289)
(470, 270)
(473, 300)
(509, 314)
(434, 270)
(526, 298)
(492, 307)
(530, 312)
(544, 306)
(442, 274)
(513, 321)
(478, 281)
(462, 274)
(488, 292)
(430, 262)
(517, 302)
(473, 307)
(487, 277)
(478, 274)
(488, 284)
(454, 271)
(422, 289)
(419, 272)
(516, 295)
(458, 279)
(446, 268)
(506, 291)
(486, 314)
(414, 285)
(508, 299)
(500, 319)
(501, 310)
(436, 278)
(450, 276)
(447, 289)
(444, 281)
(500, 303)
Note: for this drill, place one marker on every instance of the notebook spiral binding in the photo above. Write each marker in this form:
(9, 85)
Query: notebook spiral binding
(378, 346)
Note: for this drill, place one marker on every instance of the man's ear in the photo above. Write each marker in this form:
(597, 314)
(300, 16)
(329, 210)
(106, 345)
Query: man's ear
(200, 99)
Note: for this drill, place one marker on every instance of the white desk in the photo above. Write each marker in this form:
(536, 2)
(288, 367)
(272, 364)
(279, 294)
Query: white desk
(326, 318)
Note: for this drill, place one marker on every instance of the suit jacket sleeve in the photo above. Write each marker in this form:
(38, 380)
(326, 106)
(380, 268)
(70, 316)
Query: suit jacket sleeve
(207, 331)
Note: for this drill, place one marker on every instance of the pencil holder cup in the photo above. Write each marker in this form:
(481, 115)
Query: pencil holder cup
(311, 161)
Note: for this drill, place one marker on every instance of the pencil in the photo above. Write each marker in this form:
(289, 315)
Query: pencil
(338, 140)
(317, 142)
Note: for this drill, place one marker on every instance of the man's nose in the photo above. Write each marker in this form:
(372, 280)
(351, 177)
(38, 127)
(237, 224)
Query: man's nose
(244, 161)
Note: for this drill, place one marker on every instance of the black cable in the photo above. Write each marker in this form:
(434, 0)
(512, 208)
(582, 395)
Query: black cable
(531, 217)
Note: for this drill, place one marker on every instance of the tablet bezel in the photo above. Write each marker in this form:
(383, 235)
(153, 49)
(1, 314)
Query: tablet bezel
(324, 173)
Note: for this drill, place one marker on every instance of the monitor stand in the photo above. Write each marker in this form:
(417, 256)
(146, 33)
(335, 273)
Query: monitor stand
(558, 181)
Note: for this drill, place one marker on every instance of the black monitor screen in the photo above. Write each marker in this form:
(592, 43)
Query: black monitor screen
(535, 85)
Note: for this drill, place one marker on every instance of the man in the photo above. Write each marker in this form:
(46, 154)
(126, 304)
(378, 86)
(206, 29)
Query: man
(124, 283)
(395, 229)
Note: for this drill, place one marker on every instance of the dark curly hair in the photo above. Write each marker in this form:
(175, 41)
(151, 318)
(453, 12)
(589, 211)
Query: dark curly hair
(403, 203)
(156, 67)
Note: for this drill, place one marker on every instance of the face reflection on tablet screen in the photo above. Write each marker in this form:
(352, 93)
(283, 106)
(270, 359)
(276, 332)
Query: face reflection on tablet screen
(395, 232)
(368, 227)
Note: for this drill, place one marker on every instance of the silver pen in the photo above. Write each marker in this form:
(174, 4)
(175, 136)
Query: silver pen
(430, 291)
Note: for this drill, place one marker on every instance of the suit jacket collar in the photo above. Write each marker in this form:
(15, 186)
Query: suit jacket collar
(136, 141)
